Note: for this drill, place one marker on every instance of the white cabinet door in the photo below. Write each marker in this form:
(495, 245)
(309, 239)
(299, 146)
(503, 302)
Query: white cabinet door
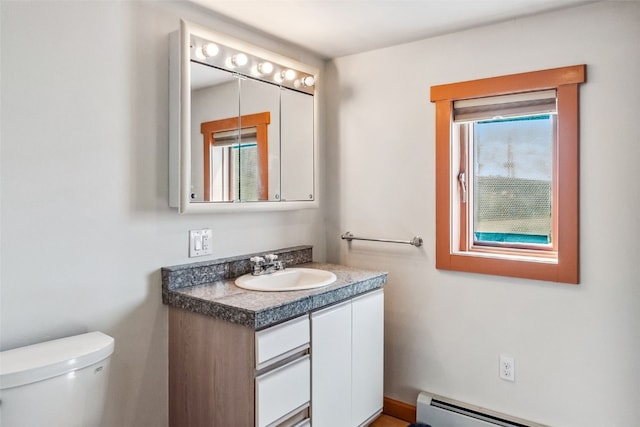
(331, 366)
(347, 348)
(367, 365)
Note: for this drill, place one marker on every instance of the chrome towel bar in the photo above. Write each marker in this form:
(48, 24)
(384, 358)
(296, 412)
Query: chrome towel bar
(416, 241)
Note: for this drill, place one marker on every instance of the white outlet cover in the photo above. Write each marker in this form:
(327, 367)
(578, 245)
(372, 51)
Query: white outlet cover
(507, 368)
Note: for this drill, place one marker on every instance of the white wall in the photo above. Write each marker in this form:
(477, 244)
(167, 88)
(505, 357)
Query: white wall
(576, 348)
(85, 223)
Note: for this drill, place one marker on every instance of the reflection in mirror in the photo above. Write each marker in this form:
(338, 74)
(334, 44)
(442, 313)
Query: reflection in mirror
(242, 128)
(214, 95)
(235, 158)
(260, 98)
(235, 136)
(297, 145)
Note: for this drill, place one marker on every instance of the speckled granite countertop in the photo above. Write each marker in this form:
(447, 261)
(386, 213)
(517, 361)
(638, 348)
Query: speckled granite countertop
(220, 297)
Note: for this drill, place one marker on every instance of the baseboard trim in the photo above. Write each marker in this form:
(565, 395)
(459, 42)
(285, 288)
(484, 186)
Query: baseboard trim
(400, 410)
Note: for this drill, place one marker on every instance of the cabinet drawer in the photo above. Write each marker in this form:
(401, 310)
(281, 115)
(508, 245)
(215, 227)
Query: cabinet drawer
(280, 341)
(282, 391)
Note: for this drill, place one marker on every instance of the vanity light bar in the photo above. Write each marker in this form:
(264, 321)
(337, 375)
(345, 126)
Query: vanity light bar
(225, 57)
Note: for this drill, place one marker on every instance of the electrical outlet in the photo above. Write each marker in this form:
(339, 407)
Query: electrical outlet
(200, 242)
(507, 368)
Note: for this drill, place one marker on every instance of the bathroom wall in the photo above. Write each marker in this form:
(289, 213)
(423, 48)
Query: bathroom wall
(85, 222)
(576, 348)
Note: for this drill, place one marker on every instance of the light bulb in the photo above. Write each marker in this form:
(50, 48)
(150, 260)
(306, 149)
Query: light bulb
(289, 74)
(308, 81)
(239, 59)
(199, 53)
(210, 49)
(265, 67)
(279, 77)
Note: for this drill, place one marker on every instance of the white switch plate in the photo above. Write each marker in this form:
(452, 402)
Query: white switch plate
(200, 242)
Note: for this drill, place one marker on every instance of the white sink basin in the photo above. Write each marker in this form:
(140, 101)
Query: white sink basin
(290, 279)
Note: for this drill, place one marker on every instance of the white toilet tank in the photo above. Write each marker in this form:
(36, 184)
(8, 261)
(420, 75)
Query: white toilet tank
(59, 383)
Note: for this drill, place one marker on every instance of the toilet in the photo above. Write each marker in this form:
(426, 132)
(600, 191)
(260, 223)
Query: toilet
(59, 383)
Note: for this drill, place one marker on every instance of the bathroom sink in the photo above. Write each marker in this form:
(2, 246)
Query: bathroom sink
(291, 279)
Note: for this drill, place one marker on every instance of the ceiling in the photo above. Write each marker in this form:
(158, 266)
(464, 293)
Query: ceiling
(333, 28)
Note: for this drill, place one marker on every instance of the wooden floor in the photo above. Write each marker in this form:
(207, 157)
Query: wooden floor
(387, 421)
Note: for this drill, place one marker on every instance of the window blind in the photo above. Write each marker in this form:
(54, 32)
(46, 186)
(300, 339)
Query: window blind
(491, 107)
(228, 137)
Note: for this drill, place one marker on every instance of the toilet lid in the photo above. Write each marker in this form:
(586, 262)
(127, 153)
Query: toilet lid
(49, 359)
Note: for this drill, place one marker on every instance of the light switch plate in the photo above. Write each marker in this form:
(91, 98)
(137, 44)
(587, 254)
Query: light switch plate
(200, 242)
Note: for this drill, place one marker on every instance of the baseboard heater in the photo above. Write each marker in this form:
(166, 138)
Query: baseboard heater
(438, 411)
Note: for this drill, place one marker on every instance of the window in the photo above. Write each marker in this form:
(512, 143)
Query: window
(236, 158)
(507, 175)
(234, 167)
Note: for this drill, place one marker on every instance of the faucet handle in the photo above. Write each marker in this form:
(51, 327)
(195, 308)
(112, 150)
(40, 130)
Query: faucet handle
(271, 257)
(257, 259)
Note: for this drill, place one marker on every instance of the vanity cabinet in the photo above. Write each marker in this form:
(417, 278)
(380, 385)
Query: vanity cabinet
(241, 358)
(224, 374)
(347, 369)
(324, 368)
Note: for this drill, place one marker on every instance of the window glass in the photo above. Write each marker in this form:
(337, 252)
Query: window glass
(245, 171)
(512, 180)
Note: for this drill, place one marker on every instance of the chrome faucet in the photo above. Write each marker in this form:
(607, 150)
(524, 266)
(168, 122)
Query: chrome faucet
(266, 265)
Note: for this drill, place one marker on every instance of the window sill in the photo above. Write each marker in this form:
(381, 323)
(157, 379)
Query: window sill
(546, 258)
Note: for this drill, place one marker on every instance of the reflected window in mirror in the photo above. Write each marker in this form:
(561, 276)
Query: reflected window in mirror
(236, 158)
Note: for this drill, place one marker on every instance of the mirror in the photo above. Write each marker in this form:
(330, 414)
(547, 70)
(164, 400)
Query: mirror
(242, 126)
(235, 134)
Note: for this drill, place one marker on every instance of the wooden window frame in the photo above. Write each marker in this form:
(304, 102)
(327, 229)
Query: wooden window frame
(526, 263)
(260, 121)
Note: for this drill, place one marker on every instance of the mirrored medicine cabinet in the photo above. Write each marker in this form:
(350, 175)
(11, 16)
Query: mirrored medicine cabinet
(242, 126)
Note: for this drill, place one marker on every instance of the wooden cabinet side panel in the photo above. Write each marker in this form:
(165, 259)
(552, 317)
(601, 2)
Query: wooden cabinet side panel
(211, 371)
